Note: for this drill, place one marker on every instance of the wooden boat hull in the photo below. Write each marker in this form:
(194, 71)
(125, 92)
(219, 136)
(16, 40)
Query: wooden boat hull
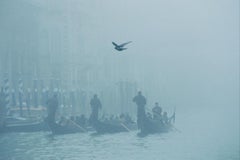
(69, 129)
(107, 127)
(25, 127)
(151, 127)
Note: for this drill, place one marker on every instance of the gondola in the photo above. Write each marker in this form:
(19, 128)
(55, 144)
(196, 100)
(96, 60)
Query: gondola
(151, 126)
(24, 127)
(113, 127)
(20, 124)
(58, 129)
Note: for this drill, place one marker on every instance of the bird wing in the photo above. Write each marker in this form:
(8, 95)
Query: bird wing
(122, 45)
(114, 44)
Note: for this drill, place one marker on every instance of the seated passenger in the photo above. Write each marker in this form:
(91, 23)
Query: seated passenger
(63, 121)
(122, 118)
(157, 112)
(149, 115)
(128, 119)
(165, 118)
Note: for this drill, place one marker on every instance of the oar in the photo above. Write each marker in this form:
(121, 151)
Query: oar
(84, 130)
(176, 129)
(125, 127)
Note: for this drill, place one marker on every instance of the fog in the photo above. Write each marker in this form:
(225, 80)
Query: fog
(184, 54)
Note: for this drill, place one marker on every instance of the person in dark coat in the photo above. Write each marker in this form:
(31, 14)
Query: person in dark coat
(3, 103)
(28, 101)
(13, 96)
(52, 105)
(20, 97)
(35, 97)
(95, 105)
(140, 100)
(2, 109)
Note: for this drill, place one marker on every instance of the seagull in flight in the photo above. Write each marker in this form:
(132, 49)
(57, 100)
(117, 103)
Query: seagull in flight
(121, 46)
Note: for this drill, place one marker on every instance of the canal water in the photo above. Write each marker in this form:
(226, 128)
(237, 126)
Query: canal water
(198, 137)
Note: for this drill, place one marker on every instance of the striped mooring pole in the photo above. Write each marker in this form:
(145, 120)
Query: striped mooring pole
(7, 92)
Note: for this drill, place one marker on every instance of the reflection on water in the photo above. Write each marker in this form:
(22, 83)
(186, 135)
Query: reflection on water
(115, 146)
(196, 141)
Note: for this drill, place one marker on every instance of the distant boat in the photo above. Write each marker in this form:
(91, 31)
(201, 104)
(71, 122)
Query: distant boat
(23, 125)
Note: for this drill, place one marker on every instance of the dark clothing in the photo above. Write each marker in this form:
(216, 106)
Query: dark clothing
(35, 98)
(20, 96)
(13, 99)
(141, 102)
(52, 109)
(141, 116)
(28, 102)
(95, 105)
(3, 104)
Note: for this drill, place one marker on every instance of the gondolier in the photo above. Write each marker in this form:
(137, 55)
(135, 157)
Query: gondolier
(2, 108)
(140, 100)
(52, 104)
(95, 105)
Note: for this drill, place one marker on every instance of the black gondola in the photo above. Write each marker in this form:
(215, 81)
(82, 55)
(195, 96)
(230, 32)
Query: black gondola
(58, 129)
(19, 124)
(113, 127)
(25, 127)
(151, 126)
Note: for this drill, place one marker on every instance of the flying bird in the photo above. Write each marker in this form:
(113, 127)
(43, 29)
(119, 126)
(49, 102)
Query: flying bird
(121, 46)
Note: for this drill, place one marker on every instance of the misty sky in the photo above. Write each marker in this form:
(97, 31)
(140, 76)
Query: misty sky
(187, 51)
(184, 53)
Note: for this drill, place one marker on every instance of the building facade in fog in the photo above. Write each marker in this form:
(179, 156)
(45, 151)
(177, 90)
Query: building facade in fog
(43, 44)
